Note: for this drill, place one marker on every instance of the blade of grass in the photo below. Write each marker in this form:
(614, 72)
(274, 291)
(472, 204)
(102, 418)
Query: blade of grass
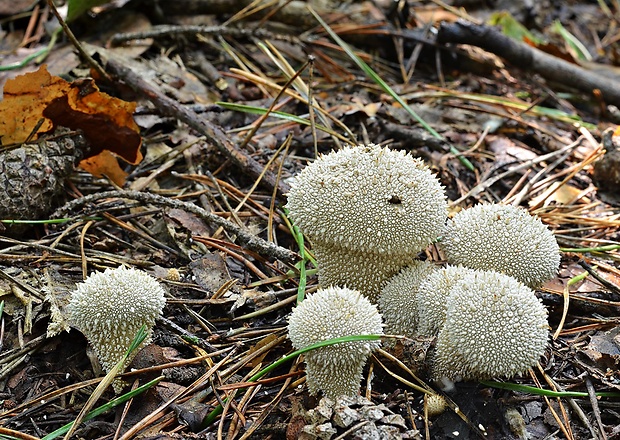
(210, 418)
(379, 81)
(278, 114)
(566, 295)
(107, 380)
(299, 239)
(543, 392)
(103, 408)
(536, 110)
(573, 42)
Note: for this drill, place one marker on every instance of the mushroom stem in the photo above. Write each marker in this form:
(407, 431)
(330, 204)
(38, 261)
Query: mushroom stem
(364, 271)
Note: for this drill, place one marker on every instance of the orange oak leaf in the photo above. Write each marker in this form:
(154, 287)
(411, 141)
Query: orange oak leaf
(106, 122)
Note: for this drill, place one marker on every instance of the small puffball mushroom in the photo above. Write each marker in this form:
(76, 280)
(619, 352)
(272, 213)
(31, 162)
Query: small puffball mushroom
(503, 238)
(398, 301)
(432, 297)
(110, 307)
(495, 327)
(368, 211)
(435, 404)
(331, 313)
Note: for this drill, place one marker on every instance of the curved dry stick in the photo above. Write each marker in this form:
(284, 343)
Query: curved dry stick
(250, 241)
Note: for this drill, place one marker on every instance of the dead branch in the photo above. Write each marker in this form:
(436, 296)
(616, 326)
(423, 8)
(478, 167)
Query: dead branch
(530, 58)
(250, 241)
(214, 133)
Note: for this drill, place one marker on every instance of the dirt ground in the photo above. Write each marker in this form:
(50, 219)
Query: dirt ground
(511, 102)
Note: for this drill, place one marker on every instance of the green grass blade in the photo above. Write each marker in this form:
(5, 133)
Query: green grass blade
(261, 111)
(379, 81)
(573, 42)
(211, 417)
(281, 115)
(103, 408)
(542, 392)
(141, 335)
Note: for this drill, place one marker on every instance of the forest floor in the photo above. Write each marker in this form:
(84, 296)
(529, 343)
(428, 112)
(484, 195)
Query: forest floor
(524, 116)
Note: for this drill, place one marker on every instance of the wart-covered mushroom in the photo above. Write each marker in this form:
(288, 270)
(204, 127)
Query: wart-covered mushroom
(398, 301)
(368, 211)
(432, 297)
(110, 307)
(495, 327)
(327, 314)
(503, 238)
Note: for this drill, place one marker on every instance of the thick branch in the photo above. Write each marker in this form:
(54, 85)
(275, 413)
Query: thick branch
(530, 58)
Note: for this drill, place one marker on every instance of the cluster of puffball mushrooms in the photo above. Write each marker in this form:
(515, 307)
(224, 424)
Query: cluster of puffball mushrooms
(369, 211)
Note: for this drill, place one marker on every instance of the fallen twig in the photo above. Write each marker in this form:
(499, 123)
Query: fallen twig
(527, 57)
(250, 241)
(212, 132)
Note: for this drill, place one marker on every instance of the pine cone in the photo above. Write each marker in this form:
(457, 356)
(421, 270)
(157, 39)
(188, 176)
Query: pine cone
(33, 175)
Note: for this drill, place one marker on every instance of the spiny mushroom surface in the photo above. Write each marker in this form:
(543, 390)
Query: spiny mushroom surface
(110, 307)
(495, 327)
(331, 313)
(367, 200)
(503, 238)
(432, 296)
(398, 301)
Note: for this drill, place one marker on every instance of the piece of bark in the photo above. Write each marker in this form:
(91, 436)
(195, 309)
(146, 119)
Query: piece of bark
(529, 58)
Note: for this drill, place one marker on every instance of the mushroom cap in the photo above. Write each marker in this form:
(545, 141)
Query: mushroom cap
(365, 272)
(369, 198)
(495, 327)
(503, 238)
(433, 295)
(110, 307)
(398, 301)
(331, 313)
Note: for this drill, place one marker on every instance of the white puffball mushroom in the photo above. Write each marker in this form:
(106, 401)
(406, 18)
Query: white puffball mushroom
(371, 201)
(432, 297)
(435, 404)
(398, 300)
(503, 238)
(331, 313)
(495, 327)
(110, 307)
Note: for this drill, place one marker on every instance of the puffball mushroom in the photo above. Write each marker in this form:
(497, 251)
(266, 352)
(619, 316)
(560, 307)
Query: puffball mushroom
(110, 307)
(331, 313)
(368, 211)
(495, 327)
(432, 296)
(503, 238)
(398, 300)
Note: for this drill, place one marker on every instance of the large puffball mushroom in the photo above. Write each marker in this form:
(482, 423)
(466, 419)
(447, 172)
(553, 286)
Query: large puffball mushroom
(398, 300)
(503, 238)
(368, 211)
(110, 307)
(495, 327)
(331, 313)
(432, 296)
